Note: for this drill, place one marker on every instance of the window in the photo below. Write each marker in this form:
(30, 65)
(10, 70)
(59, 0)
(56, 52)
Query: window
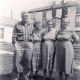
(44, 14)
(1, 33)
(77, 24)
(64, 12)
(78, 9)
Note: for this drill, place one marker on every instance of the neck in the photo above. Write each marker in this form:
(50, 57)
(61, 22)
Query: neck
(24, 22)
(63, 29)
(37, 30)
(49, 29)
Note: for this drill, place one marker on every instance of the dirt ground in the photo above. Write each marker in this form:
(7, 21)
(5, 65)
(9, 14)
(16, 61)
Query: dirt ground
(9, 77)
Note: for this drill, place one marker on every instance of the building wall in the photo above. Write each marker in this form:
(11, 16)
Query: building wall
(6, 50)
(71, 15)
(7, 35)
(58, 22)
(38, 16)
(49, 15)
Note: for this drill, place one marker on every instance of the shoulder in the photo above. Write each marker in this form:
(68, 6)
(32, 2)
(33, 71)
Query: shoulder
(74, 34)
(53, 30)
(30, 26)
(44, 31)
(17, 24)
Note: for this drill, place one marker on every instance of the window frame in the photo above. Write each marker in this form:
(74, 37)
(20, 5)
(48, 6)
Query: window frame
(2, 33)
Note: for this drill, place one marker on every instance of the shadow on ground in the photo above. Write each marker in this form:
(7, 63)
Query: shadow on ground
(5, 77)
(9, 77)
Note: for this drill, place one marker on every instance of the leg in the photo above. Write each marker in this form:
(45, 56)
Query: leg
(60, 75)
(50, 75)
(21, 76)
(29, 51)
(17, 68)
(28, 57)
(14, 69)
(66, 76)
(44, 74)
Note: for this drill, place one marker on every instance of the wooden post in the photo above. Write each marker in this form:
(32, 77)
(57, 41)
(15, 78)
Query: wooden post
(44, 20)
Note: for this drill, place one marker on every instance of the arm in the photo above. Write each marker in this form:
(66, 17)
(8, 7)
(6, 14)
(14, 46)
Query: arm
(75, 37)
(14, 35)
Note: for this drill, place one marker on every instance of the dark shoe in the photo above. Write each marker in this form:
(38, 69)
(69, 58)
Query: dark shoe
(67, 76)
(21, 79)
(40, 73)
(15, 79)
(26, 76)
(31, 75)
(21, 76)
(51, 78)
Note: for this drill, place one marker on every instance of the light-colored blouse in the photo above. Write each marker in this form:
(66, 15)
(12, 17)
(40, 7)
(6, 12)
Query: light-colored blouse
(67, 35)
(50, 35)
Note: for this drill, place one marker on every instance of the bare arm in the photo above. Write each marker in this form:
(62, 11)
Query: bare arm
(14, 35)
(75, 37)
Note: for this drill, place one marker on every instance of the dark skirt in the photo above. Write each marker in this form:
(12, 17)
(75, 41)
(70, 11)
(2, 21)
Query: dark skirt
(64, 56)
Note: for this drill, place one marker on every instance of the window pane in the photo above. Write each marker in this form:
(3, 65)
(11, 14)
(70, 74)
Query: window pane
(64, 12)
(78, 10)
(1, 33)
(77, 21)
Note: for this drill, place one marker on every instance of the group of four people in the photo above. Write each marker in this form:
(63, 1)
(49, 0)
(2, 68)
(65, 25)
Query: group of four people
(36, 47)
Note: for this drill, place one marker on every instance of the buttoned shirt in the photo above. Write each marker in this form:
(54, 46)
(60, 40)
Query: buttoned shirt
(22, 32)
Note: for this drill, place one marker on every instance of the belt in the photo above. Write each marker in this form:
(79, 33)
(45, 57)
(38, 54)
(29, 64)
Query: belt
(26, 40)
(63, 40)
(48, 40)
(37, 41)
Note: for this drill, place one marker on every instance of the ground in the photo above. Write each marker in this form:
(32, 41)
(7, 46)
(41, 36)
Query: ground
(6, 58)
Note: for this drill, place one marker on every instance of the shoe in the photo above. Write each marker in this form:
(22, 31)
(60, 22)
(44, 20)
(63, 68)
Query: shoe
(40, 73)
(15, 79)
(31, 75)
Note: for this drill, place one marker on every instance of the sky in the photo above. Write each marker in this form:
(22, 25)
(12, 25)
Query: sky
(17, 6)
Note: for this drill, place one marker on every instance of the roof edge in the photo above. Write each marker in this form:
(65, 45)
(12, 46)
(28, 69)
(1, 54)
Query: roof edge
(57, 6)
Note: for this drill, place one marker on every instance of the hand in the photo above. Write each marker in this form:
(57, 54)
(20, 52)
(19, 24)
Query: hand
(29, 45)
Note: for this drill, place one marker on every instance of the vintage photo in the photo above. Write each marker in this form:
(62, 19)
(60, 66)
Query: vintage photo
(39, 39)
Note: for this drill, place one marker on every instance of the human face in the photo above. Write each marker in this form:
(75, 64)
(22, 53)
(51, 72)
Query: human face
(65, 24)
(39, 26)
(24, 17)
(50, 25)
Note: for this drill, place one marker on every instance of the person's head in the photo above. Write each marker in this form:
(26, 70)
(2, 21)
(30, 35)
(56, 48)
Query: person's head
(50, 24)
(65, 23)
(38, 25)
(24, 16)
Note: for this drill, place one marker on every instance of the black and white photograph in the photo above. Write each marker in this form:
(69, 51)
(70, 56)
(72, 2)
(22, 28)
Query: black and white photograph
(39, 39)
